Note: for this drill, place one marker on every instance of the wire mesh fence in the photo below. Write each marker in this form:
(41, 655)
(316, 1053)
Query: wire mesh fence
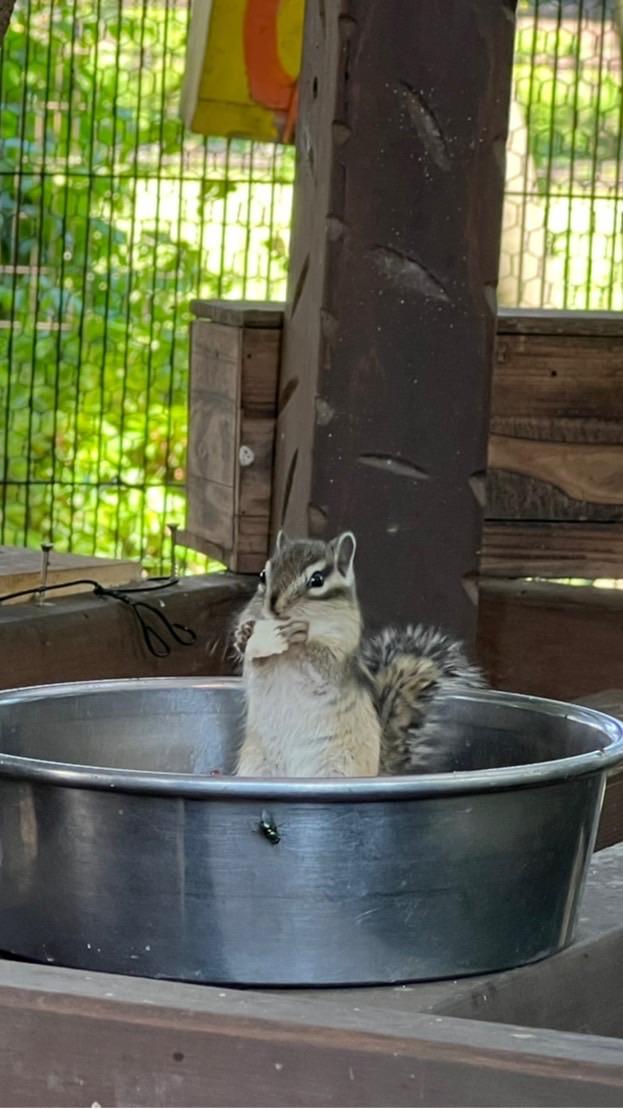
(563, 217)
(112, 217)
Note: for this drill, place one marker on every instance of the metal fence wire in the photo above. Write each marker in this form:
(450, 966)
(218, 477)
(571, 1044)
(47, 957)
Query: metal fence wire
(562, 243)
(113, 216)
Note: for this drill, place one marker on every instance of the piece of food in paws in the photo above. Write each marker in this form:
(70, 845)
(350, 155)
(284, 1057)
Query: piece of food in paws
(265, 640)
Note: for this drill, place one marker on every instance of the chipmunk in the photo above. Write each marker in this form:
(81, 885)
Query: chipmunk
(414, 670)
(330, 702)
(310, 709)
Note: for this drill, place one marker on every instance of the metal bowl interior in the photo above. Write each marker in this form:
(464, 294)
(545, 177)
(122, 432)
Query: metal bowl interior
(172, 734)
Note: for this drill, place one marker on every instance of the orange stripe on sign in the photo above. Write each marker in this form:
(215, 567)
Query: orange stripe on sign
(293, 111)
(269, 83)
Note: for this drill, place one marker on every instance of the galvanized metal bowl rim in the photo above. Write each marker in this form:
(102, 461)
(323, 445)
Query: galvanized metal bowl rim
(310, 789)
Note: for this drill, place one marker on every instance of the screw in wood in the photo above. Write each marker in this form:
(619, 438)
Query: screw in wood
(45, 562)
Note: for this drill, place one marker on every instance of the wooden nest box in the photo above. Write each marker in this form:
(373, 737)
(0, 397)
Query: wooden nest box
(234, 372)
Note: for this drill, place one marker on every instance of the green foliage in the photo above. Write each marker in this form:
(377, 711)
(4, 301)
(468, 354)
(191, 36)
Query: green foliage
(112, 219)
(571, 115)
(567, 83)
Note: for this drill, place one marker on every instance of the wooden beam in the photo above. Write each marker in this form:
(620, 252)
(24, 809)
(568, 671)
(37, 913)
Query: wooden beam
(67, 1039)
(544, 321)
(557, 377)
(391, 309)
(240, 313)
(584, 472)
(20, 569)
(551, 550)
(84, 638)
(551, 640)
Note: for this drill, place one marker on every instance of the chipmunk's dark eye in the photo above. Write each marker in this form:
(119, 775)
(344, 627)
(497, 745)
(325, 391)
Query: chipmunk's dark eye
(316, 581)
(262, 577)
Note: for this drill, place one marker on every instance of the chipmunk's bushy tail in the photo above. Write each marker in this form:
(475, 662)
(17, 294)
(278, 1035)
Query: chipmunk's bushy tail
(414, 670)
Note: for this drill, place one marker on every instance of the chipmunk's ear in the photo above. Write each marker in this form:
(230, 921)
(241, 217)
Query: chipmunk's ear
(344, 548)
(282, 541)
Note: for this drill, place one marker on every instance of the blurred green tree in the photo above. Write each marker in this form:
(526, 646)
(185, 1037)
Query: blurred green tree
(111, 220)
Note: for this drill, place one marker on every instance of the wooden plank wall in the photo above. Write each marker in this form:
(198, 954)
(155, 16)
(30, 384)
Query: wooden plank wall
(555, 479)
(555, 509)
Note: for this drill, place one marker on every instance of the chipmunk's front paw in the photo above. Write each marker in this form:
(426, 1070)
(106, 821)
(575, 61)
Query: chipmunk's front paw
(296, 631)
(243, 634)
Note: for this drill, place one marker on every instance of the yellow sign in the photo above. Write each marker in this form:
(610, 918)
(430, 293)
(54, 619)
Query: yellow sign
(242, 67)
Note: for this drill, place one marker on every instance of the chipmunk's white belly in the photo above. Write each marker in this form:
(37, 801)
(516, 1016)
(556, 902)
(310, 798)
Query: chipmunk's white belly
(303, 727)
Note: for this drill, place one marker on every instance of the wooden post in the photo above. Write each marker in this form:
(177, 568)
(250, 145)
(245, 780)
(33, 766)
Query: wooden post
(389, 332)
(6, 11)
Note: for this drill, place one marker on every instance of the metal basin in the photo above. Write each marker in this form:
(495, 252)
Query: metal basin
(120, 853)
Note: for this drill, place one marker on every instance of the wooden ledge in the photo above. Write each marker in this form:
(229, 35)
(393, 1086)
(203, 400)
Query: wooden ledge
(83, 638)
(240, 313)
(542, 321)
(551, 640)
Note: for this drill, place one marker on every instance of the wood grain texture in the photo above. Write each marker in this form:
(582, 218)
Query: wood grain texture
(255, 480)
(186, 537)
(213, 443)
(558, 376)
(582, 471)
(522, 498)
(210, 512)
(232, 409)
(109, 1041)
(552, 550)
(212, 344)
(389, 328)
(240, 313)
(556, 446)
(20, 568)
(83, 638)
(544, 321)
(261, 351)
(550, 640)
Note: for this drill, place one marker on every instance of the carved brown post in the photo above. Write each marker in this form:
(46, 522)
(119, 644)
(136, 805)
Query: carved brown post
(6, 11)
(390, 324)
